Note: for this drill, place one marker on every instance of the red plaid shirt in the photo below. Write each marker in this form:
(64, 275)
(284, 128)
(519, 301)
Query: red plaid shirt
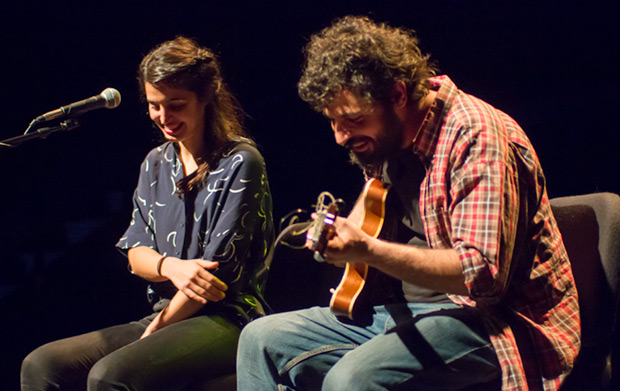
(484, 196)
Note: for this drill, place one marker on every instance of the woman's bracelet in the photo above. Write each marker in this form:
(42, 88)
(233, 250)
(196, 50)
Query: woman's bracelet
(159, 263)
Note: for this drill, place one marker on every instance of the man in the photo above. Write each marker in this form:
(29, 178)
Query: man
(485, 292)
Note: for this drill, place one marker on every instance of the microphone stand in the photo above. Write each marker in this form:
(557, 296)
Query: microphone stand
(39, 133)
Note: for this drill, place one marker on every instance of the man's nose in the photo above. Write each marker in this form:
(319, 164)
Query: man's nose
(341, 134)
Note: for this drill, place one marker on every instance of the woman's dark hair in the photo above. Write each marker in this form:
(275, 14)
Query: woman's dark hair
(182, 63)
(356, 54)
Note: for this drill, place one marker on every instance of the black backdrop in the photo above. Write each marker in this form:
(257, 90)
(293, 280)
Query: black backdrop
(66, 199)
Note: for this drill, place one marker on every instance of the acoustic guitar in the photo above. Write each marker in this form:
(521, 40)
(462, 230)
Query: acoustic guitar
(346, 300)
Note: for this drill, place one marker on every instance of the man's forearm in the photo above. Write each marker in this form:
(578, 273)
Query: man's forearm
(437, 269)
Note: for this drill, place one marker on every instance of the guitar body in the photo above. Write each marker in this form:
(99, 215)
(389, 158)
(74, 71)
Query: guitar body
(347, 298)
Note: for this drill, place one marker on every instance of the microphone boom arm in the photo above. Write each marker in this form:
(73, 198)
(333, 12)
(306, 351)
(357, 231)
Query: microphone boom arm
(40, 133)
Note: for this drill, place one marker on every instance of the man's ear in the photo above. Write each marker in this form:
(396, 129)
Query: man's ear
(399, 95)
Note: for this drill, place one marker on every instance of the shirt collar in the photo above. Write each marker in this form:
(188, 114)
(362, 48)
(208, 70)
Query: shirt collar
(426, 141)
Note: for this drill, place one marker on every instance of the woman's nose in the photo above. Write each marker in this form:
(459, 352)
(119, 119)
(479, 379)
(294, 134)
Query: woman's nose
(163, 116)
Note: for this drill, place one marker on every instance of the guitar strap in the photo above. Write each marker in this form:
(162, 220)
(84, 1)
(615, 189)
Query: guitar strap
(385, 289)
(404, 174)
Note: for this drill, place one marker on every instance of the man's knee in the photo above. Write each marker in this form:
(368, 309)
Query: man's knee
(348, 376)
(260, 333)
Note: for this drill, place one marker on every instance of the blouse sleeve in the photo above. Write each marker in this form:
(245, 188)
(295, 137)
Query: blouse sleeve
(239, 214)
(141, 228)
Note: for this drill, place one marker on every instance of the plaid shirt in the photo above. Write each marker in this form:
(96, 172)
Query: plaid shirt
(484, 196)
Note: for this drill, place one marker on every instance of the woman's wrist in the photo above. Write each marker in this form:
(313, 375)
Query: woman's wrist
(164, 265)
(156, 323)
(159, 265)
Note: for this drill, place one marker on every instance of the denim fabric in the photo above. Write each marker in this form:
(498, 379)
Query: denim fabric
(429, 346)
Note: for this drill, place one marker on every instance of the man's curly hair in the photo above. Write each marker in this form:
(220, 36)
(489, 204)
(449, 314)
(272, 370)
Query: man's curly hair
(367, 58)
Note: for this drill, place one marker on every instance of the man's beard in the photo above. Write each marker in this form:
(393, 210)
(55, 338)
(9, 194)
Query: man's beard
(388, 141)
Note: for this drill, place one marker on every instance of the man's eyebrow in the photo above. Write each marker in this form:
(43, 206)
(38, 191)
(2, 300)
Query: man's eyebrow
(349, 115)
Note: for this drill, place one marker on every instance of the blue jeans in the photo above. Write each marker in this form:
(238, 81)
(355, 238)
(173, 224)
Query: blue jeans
(407, 346)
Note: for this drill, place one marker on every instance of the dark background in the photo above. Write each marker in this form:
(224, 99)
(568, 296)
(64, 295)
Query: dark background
(65, 200)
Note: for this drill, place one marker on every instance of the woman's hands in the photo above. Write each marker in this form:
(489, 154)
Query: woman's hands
(192, 278)
(196, 285)
(180, 307)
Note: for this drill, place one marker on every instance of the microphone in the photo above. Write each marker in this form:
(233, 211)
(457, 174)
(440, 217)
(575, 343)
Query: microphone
(109, 98)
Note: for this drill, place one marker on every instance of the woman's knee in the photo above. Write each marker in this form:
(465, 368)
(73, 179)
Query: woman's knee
(35, 365)
(110, 373)
(38, 361)
(44, 368)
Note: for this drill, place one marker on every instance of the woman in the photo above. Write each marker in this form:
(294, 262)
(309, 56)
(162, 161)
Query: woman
(200, 230)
